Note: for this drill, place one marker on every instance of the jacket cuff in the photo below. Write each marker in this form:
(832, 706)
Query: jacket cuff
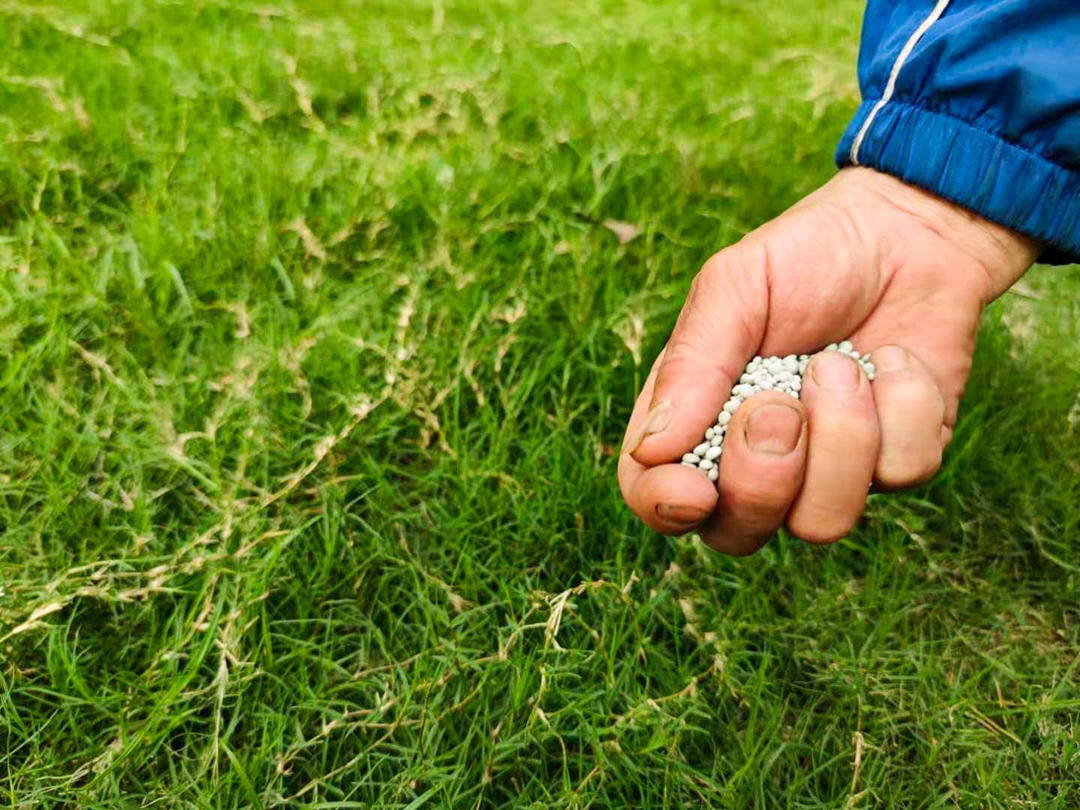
(1000, 181)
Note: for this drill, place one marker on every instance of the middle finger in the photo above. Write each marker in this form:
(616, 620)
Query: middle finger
(843, 447)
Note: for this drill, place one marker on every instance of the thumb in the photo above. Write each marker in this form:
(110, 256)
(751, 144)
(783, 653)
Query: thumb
(719, 329)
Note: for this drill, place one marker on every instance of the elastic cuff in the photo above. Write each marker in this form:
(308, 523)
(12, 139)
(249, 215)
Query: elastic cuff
(1000, 181)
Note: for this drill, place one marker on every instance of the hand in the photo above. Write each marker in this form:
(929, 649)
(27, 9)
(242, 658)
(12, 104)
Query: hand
(866, 257)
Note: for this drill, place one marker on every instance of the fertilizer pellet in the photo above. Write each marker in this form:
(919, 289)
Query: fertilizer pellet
(783, 374)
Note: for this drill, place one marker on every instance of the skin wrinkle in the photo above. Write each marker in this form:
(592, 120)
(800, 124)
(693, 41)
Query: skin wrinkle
(735, 270)
(812, 532)
(893, 272)
(896, 252)
(693, 304)
(909, 400)
(951, 398)
(911, 479)
(754, 508)
(771, 343)
(723, 272)
(683, 351)
(961, 370)
(755, 503)
(962, 221)
(690, 339)
(767, 270)
(991, 233)
(830, 214)
(858, 236)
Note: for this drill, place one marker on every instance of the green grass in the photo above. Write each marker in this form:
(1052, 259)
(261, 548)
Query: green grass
(313, 352)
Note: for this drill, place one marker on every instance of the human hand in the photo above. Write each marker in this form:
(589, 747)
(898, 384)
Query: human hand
(868, 258)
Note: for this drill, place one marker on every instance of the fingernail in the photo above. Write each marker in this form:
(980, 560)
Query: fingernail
(686, 515)
(891, 358)
(773, 429)
(657, 420)
(836, 371)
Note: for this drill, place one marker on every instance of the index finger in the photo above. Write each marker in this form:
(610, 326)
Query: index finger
(719, 329)
(669, 498)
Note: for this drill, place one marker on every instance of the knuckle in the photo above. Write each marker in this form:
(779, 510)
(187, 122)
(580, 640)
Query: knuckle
(682, 356)
(952, 410)
(708, 280)
(861, 430)
(681, 349)
(733, 264)
(695, 311)
(755, 510)
(819, 532)
(821, 522)
(658, 362)
(910, 392)
(733, 276)
(852, 436)
(902, 472)
(714, 269)
(736, 546)
(624, 477)
(891, 359)
(755, 504)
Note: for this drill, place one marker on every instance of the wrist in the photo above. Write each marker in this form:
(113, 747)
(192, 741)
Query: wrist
(1002, 253)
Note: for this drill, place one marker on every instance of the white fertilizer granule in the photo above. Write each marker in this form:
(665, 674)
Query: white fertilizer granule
(761, 374)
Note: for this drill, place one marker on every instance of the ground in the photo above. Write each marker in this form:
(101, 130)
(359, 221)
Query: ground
(319, 326)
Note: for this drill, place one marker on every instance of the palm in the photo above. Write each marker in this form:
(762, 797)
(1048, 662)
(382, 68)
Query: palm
(878, 278)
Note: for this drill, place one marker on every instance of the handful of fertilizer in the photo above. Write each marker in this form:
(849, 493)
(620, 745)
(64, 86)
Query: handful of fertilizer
(761, 374)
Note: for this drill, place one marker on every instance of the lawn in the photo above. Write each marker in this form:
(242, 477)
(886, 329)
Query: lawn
(319, 326)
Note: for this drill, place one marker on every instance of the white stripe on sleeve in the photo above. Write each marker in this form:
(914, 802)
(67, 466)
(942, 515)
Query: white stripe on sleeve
(890, 87)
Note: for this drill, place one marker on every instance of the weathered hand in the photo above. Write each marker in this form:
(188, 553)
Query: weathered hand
(865, 257)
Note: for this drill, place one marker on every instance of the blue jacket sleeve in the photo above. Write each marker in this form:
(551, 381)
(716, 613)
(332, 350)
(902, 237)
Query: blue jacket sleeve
(979, 102)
